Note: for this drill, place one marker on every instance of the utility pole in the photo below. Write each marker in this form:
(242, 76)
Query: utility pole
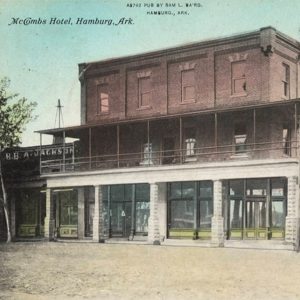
(59, 114)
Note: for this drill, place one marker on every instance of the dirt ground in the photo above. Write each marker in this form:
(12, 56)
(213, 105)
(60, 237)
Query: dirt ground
(119, 271)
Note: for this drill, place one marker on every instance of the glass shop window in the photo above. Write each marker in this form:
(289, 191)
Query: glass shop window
(278, 202)
(68, 208)
(236, 188)
(142, 207)
(205, 203)
(256, 187)
(142, 192)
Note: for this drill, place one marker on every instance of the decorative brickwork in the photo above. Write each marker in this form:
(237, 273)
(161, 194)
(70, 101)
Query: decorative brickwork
(217, 230)
(153, 222)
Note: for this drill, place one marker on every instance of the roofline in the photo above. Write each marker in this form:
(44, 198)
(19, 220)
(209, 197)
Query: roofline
(185, 46)
(192, 45)
(186, 114)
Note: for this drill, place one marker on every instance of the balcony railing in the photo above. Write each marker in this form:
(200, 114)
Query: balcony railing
(231, 152)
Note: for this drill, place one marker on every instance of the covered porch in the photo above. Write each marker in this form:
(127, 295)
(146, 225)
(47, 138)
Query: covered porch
(249, 132)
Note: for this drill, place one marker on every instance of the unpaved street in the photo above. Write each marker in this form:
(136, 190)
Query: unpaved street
(120, 271)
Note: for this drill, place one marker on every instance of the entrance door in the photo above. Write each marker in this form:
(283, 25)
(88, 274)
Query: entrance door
(168, 150)
(121, 219)
(256, 220)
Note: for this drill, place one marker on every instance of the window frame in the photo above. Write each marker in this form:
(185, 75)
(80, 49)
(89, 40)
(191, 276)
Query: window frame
(287, 140)
(286, 80)
(183, 86)
(100, 99)
(240, 134)
(236, 78)
(141, 92)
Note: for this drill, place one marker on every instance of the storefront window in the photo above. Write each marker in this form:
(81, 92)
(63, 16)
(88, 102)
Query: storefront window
(278, 203)
(68, 208)
(205, 197)
(28, 208)
(236, 214)
(259, 211)
(190, 205)
(142, 216)
(206, 213)
(182, 214)
(256, 187)
(278, 215)
(120, 201)
(237, 188)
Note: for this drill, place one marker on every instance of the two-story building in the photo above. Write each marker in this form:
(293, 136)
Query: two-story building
(194, 143)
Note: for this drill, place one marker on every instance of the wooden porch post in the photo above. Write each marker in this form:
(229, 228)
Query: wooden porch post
(118, 145)
(254, 129)
(64, 151)
(216, 133)
(90, 148)
(180, 139)
(132, 230)
(148, 142)
(295, 129)
(41, 141)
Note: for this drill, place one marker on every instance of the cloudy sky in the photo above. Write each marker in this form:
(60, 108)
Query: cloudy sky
(41, 60)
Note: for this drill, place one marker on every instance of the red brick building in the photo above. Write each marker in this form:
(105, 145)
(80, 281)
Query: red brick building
(197, 142)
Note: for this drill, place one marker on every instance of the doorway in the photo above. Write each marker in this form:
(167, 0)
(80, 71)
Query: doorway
(256, 220)
(168, 156)
(256, 208)
(126, 210)
(121, 219)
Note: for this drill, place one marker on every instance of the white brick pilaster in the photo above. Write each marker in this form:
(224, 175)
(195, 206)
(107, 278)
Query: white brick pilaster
(96, 236)
(81, 213)
(153, 223)
(98, 223)
(49, 219)
(217, 230)
(291, 222)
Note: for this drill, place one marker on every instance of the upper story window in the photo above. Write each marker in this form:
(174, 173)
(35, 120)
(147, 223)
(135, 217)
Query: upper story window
(286, 139)
(286, 80)
(238, 78)
(188, 85)
(190, 141)
(145, 93)
(103, 99)
(147, 154)
(240, 138)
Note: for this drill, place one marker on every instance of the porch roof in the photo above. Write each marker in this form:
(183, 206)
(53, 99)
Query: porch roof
(72, 131)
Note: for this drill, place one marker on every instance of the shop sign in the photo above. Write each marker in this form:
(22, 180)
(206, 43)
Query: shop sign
(35, 152)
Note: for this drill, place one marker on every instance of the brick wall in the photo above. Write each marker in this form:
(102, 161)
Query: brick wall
(263, 55)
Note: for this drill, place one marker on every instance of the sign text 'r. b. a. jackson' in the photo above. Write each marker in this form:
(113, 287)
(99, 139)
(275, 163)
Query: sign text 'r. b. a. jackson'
(29, 153)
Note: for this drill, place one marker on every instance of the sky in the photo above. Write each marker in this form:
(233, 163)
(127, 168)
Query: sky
(41, 60)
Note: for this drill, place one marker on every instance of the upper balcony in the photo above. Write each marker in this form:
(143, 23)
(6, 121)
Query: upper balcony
(246, 133)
